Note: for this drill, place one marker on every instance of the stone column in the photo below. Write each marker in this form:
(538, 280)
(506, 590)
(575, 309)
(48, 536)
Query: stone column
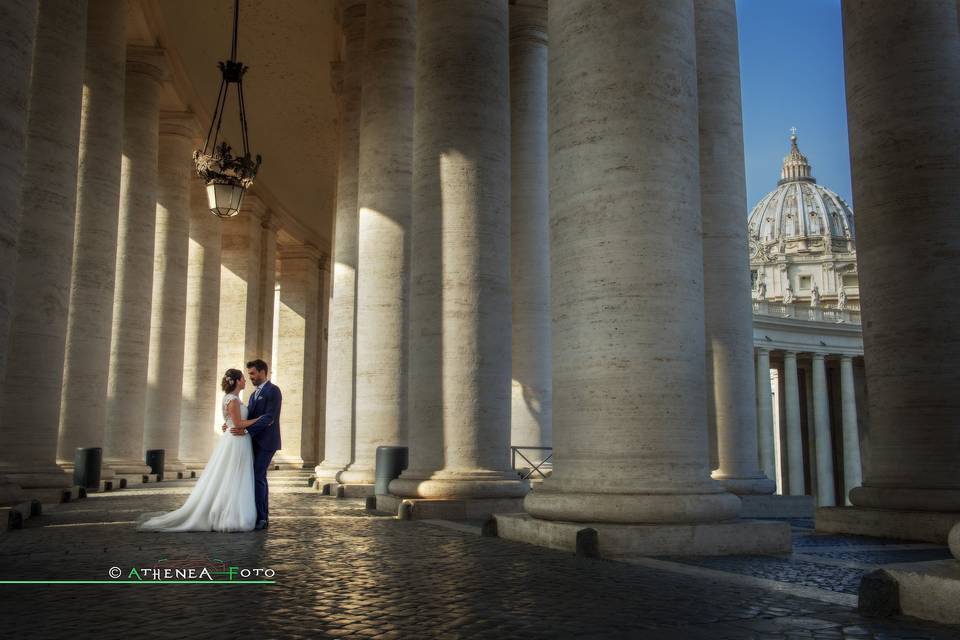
(241, 281)
(38, 328)
(341, 349)
(791, 392)
(297, 351)
(384, 199)
(83, 406)
(904, 161)
(130, 340)
(267, 286)
(460, 288)
(765, 415)
(851, 435)
(178, 132)
(731, 403)
(201, 391)
(532, 403)
(821, 428)
(18, 28)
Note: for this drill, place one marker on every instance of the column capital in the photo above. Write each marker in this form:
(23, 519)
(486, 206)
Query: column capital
(305, 251)
(762, 350)
(270, 222)
(818, 356)
(150, 61)
(180, 123)
(846, 358)
(254, 206)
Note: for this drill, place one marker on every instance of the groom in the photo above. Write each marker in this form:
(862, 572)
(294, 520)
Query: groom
(264, 406)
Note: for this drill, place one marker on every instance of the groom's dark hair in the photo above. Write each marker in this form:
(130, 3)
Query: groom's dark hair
(259, 365)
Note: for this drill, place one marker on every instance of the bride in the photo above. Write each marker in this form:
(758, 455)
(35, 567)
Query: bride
(223, 498)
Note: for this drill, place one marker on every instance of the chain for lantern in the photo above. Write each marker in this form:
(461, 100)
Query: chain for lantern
(227, 176)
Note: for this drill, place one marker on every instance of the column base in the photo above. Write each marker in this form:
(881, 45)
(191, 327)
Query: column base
(927, 590)
(925, 526)
(776, 506)
(447, 509)
(42, 477)
(749, 486)
(452, 485)
(338, 490)
(357, 475)
(326, 472)
(10, 492)
(632, 540)
(287, 463)
(124, 467)
(633, 508)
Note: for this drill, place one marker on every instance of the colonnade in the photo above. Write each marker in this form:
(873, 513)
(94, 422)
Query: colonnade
(128, 298)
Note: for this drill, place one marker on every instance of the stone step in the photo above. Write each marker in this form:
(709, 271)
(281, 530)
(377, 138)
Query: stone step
(135, 479)
(13, 516)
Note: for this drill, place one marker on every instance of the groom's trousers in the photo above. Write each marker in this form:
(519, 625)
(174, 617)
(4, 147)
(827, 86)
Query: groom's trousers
(261, 462)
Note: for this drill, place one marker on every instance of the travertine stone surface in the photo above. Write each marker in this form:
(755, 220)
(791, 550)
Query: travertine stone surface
(130, 341)
(201, 391)
(341, 348)
(532, 403)
(791, 392)
(822, 442)
(630, 435)
(459, 421)
(384, 200)
(852, 472)
(905, 162)
(241, 283)
(297, 351)
(765, 415)
(34, 376)
(178, 132)
(731, 400)
(18, 25)
(83, 408)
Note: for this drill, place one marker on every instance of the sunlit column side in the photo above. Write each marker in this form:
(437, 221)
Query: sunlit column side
(341, 348)
(852, 476)
(731, 399)
(130, 337)
(383, 255)
(765, 415)
(822, 437)
(201, 391)
(791, 392)
(90, 314)
(459, 420)
(178, 132)
(532, 403)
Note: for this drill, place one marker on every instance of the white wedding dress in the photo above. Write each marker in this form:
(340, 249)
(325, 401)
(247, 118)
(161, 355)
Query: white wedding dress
(223, 498)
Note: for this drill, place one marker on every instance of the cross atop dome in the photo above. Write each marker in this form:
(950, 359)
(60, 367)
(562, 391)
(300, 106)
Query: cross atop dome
(795, 165)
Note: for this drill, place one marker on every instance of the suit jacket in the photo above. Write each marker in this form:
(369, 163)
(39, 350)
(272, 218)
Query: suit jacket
(266, 410)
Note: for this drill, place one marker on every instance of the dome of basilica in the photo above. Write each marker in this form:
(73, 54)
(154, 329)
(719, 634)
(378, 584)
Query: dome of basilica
(800, 215)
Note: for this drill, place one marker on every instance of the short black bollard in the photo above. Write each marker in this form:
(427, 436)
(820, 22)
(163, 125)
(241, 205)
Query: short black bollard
(371, 503)
(489, 528)
(390, 462)
(341, 492)
(86, 467)
(405, 512)
(155, 460)
(879, 595)
(588, 543)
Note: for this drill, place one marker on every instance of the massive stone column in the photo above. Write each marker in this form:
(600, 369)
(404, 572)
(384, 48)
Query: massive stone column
(18, 27)
(341, 349)
(532, 402)
(630, 436)
(130, 339)
(83, 406)
(731, 399)
(201, 391)
(384, 199)
(852, 476)
(178, 132)
(905, 161)
(765, 415)
(267, 286)
(297, 351)
(791, 392)
(38, 328)
(460, 289)
(241, 286)
(821, 428)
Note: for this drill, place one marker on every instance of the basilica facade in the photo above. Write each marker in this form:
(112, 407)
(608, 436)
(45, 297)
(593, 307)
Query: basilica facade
(482, 225)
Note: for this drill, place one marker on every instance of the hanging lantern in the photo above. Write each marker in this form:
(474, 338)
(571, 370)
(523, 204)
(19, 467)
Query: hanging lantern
(227, 176)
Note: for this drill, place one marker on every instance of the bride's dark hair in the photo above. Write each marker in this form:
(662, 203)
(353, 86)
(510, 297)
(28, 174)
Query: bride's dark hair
(230, 380)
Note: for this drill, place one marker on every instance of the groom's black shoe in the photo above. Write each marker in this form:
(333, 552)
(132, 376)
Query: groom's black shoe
(261, 524)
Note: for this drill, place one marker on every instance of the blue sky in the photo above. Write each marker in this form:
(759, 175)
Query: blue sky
(791, 66)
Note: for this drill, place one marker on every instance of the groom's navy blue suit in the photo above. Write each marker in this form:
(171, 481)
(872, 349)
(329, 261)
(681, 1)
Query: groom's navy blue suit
(265, 437)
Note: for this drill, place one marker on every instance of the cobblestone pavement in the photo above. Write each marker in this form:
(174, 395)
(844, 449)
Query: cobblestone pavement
(342, 572)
